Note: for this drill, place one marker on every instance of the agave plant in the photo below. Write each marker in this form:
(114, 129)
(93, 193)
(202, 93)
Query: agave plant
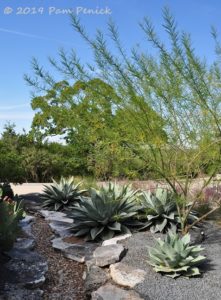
(11, 213)
(175, 256)
(61, 195)
(160, 210)
(105, 213)
(117, 192)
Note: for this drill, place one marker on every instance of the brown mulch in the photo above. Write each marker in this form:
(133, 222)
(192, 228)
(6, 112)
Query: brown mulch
(74, 240)
(64, 276)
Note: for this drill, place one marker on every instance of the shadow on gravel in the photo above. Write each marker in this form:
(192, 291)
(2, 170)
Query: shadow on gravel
(207, 266)
(213, 236)
(34, 197)
(32, 202)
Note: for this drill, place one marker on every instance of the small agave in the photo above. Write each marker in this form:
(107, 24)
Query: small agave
(159, 209)
(175, 256)
(61, 195)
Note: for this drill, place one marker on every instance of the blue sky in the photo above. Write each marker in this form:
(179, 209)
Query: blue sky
(41, 35)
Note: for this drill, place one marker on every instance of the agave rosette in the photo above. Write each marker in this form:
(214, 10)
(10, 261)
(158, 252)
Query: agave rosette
(105, 213)
(160, 210)
(61, 195)
(174, 256)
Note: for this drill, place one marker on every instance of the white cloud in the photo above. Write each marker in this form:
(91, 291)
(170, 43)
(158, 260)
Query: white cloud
(16, 106)
(16, 116)
(28, 35)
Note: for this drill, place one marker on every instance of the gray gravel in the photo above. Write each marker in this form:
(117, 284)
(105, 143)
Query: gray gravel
(158, 287)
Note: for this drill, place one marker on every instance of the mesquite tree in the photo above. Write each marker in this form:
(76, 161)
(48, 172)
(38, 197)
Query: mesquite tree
(171, 100)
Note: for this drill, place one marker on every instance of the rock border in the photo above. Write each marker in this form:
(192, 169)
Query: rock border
(105, 277)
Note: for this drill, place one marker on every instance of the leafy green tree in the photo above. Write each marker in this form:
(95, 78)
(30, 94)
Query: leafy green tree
(91, 116)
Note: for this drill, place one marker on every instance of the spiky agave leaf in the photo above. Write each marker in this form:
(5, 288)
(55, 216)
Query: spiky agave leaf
(105, 213)
(175, 257)
(159, 208)
(11, 212)
(61, 195)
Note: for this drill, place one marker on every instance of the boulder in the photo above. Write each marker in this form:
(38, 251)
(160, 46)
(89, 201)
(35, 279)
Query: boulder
(107, 255)
(126, 275)
(111, 292)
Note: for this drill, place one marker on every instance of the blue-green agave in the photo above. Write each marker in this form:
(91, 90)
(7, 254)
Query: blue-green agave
(61, 195)
(105, 213)
(174, 256)
(159, 208)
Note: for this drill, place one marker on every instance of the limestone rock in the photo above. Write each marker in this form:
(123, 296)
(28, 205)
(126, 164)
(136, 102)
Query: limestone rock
(111, 292)
(30, 267)
(80, 253)
(107, 255)
(62, 229)
(59, 244)
(14, 292)
(95, 278)
(26, 225)
(25, 244)
(116, 239)
(56, 216)
(126, 275)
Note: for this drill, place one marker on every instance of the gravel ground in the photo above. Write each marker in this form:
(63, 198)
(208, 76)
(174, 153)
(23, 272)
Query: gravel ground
(64, 277)
(158, 287)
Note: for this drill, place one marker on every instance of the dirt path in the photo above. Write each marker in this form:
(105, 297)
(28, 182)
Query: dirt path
(64, 277)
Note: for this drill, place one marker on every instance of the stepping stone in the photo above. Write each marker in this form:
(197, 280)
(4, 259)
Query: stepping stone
(116, 239)
(25, 225)
(111, 292)
(25, 244)
(80, 253)
(29, 266)
(55, 216)
(125, 275)
(59, 244)
(107, 255)
(14, 292)
(62, 229)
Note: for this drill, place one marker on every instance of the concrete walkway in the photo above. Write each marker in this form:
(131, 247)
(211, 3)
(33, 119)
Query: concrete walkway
(28, 188)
